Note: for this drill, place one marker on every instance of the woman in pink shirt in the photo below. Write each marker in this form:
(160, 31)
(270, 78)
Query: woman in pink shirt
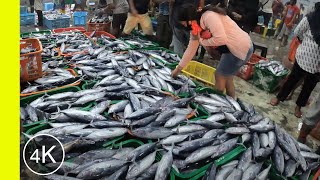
(214, 30)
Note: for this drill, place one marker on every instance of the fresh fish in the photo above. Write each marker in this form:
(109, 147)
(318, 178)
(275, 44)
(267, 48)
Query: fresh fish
(140, 152)
(236, 174)
(201, 154)
(211, 172)
(118, 175)
(173, 139)
(139, 167)
(245, 159)
(263, 175)
(164, 166)
(120, 106)
(252, 171)
(222, 174)
(278, 159)
(101, 169)
(152, 132)
(237, 130)
(101, 107)
(264, 140)
(107, 133)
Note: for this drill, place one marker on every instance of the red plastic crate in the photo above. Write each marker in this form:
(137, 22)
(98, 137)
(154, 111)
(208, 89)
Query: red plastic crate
(247, 70)
(98, 26)
(69, 29)
(30, 63)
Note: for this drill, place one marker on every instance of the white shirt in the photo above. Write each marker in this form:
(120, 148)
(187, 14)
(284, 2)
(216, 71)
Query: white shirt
(308, 53)
(121, 6)
(38, 5)
(267, 8)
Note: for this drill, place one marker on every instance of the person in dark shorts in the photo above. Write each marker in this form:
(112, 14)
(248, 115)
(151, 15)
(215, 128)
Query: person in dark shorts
(120, 10)
(164, 32)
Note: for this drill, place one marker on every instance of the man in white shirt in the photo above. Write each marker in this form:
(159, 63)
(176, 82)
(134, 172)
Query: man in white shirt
(266, 10)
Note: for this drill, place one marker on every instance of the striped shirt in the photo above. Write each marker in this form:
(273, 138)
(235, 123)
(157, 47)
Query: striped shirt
(308, 53)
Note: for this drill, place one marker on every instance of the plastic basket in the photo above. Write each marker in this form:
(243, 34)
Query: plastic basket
(62, 22)
(247, 70)
(31, 34)
(30, 63)
(23, 9)
(77, 83)
(79, 18)
(200, 72)
(98, 26)
(265, 80)
(27, 19)
(69, 29)
(48, 6)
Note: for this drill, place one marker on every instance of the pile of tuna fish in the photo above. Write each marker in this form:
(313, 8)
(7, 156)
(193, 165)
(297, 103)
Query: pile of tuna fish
(131, 95)
(151, 114)
(275, 67)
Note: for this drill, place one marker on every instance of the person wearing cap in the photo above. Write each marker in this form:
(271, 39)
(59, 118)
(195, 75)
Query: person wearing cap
(216, 31)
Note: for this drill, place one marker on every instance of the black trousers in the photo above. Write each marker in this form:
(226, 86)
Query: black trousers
(164, 32)
(118, 23)
(310, 82)
(40, 17)
(266, 17)
(31, 5)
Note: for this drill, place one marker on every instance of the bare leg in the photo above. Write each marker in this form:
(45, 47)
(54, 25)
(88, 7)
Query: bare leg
(220, 82)
(230, 87)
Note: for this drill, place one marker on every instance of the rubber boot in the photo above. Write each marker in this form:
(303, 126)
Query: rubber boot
(304, 132)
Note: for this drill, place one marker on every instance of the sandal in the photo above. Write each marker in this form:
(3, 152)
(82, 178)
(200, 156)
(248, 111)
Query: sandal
(274, 102)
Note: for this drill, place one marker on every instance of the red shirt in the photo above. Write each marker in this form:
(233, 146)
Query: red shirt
(292, 10)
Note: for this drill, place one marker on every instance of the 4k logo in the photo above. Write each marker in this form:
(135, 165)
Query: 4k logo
(48, 150)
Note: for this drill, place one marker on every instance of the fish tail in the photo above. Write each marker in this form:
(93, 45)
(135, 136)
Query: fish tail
(27, 135)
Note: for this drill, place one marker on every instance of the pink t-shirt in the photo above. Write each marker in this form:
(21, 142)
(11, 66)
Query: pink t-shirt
(224, 32)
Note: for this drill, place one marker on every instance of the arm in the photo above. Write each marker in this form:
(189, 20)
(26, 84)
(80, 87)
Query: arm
(188, 55)
(110, 5)
(132, 8)
(215, 26)
(301, 28)
(201, 4)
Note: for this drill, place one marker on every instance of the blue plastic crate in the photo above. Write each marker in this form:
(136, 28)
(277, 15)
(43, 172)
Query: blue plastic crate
(48, 6)
(23, 9)
(79, 18)
(27, 19)
(62, 22)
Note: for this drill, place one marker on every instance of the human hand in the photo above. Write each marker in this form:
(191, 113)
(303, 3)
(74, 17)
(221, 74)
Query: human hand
(290, 25)
(236, 15)
(134, 12)
(176, 72)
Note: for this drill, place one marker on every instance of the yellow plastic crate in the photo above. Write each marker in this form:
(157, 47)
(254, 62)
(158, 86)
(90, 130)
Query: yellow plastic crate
(200, 72)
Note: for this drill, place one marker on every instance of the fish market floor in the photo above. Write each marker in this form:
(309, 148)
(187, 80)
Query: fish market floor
(283, 113)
